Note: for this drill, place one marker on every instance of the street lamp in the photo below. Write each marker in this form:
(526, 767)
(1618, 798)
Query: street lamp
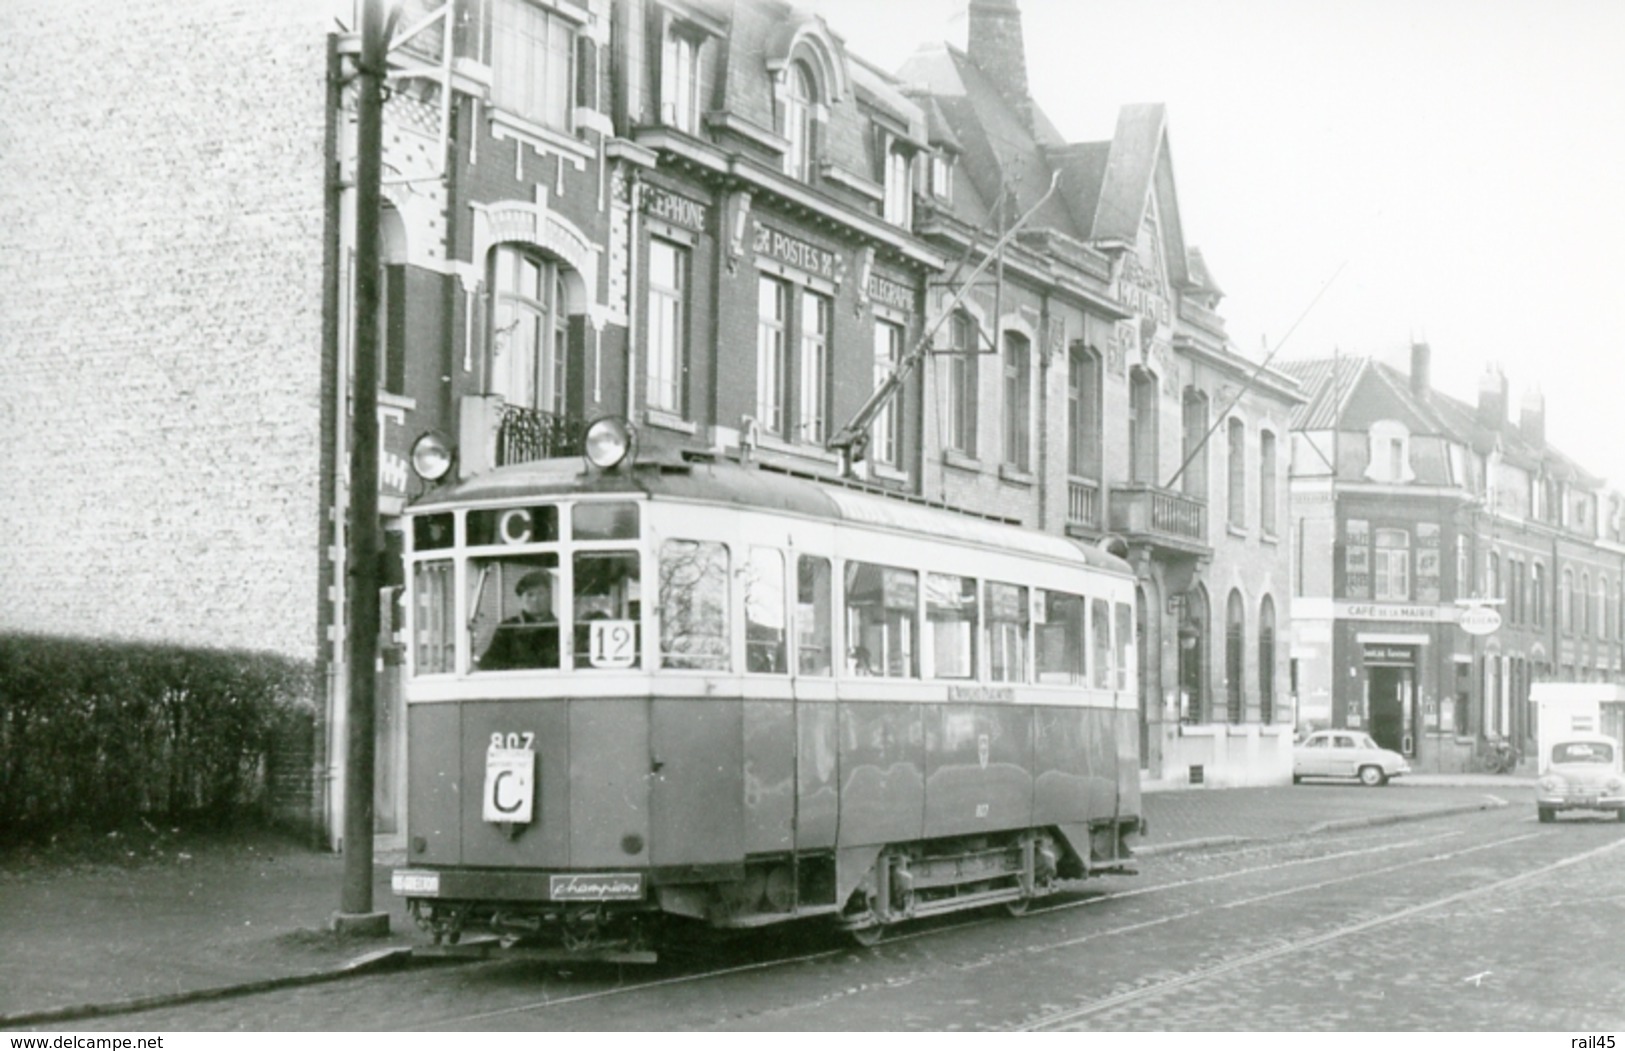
(361, 554)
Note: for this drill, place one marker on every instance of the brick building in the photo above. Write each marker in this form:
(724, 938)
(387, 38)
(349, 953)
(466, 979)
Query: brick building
(705, 215)
(1411, 508)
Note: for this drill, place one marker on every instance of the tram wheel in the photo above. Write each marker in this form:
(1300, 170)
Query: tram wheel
(1018, 906)
(867, 937)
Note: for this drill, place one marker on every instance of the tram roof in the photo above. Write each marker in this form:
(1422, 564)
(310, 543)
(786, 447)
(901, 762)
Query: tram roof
(728, 483)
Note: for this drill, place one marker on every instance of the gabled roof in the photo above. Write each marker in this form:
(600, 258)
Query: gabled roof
(1327, 384)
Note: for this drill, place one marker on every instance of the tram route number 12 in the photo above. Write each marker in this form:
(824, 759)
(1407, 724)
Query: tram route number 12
(612, 643)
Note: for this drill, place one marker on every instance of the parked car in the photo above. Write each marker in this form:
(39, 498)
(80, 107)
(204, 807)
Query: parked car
(1580, 771)
(1346, 753)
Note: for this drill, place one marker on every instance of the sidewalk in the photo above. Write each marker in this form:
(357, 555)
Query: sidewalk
(73, 939)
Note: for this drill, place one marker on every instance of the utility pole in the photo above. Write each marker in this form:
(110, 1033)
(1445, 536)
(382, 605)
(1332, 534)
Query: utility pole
(361, 554)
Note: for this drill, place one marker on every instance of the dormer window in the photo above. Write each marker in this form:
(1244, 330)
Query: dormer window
(800, 106)
(679, 80)
(532, 63)
(1389, 453)
(942, 176)
(899, 201)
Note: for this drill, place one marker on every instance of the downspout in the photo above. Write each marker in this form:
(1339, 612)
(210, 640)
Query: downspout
(634, 194)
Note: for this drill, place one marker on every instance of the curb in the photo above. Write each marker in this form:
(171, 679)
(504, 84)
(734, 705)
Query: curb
(1490, 802)
(377, 960)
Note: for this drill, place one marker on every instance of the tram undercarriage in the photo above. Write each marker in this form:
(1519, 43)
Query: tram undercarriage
(864, 891)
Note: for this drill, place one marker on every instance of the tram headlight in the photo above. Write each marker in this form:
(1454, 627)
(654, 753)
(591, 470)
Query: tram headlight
(431, 457)
(608, 442)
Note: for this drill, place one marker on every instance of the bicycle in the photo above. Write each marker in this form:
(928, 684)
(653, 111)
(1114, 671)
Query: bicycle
(1498, 756)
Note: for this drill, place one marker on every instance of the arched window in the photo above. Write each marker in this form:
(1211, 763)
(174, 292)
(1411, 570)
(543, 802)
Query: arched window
(1083, 413)
(1193, 649)
(1266, 661)
(1583, 600)
(1234, 624)
(529, 329)
(800, 104)
(1142, 426)
(1565, 601)
(1537, 585)
(962, 383)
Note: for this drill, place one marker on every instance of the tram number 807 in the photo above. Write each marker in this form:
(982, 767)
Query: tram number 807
(526, 740)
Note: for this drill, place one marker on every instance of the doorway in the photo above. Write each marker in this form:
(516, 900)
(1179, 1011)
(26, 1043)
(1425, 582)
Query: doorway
(1388, 698)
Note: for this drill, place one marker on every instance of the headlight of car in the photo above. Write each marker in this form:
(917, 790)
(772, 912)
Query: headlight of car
(1550, 784)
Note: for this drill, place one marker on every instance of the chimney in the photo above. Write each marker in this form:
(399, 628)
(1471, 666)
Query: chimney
(1492, 398)
(1421, 369)
(1532, 417)
(995, 47)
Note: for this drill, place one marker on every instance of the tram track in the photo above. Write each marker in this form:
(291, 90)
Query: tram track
(586, 987)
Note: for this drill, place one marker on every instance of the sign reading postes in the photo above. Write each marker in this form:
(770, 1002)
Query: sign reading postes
(795, 252)
(1479, 620)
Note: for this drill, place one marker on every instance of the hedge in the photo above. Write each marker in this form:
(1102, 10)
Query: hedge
(99, 734)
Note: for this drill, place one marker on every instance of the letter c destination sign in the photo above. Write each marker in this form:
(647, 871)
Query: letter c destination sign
(510, 784)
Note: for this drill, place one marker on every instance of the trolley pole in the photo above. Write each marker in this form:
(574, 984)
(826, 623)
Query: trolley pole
(361, 554)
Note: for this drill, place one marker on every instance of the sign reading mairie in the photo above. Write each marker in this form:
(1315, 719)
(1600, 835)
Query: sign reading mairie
(674, 208)
(890, 293)
(795, 252)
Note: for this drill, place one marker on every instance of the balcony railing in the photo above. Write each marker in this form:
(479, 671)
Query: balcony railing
(1147, 510)
(1083, 502)
(532, 434)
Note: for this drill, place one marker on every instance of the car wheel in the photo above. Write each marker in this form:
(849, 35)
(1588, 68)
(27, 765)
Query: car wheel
(1548, 815)
(1372, 776)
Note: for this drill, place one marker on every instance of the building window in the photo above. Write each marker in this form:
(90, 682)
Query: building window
(1193, 420)
(667, 340)
(1234, 631)
(898, 208)
(813, 402)
(772, 316)
(679, 82)
(1142, 426)
(1238, 473)
(532, 58)
(1537, 585)
(886, 433)
(1266, 483)
(1017, 399)
(962, 383)
(530, 330)
(1492, 579)
(800, 103)
(942, 176)
(1583, 600)
(1388, 455)
(1392, 567)
(1083, 413)
(1266, 661)
(1565, 601)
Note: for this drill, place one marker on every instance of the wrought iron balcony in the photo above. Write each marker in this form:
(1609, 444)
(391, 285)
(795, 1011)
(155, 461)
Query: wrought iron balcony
(1160, 517)
(525, 434)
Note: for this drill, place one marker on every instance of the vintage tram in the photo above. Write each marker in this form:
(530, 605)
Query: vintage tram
(691, 687)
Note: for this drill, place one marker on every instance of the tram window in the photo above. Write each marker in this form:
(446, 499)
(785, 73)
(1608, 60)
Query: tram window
(431, 532)
(514, 612)
(514, 525)
(950, 627)
(813, 615)
(606, 608)
(1100, 620)
(1125, 642)
(433, 635)
(1061, 644)
(764, 611)
(1006, 632)
(694, 605)
(604, 521)
(882, 605)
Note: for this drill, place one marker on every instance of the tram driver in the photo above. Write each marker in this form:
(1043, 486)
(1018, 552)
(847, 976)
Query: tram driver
(531, 639)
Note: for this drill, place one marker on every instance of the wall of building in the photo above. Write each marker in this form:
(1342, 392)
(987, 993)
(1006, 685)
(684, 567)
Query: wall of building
(161, 358)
